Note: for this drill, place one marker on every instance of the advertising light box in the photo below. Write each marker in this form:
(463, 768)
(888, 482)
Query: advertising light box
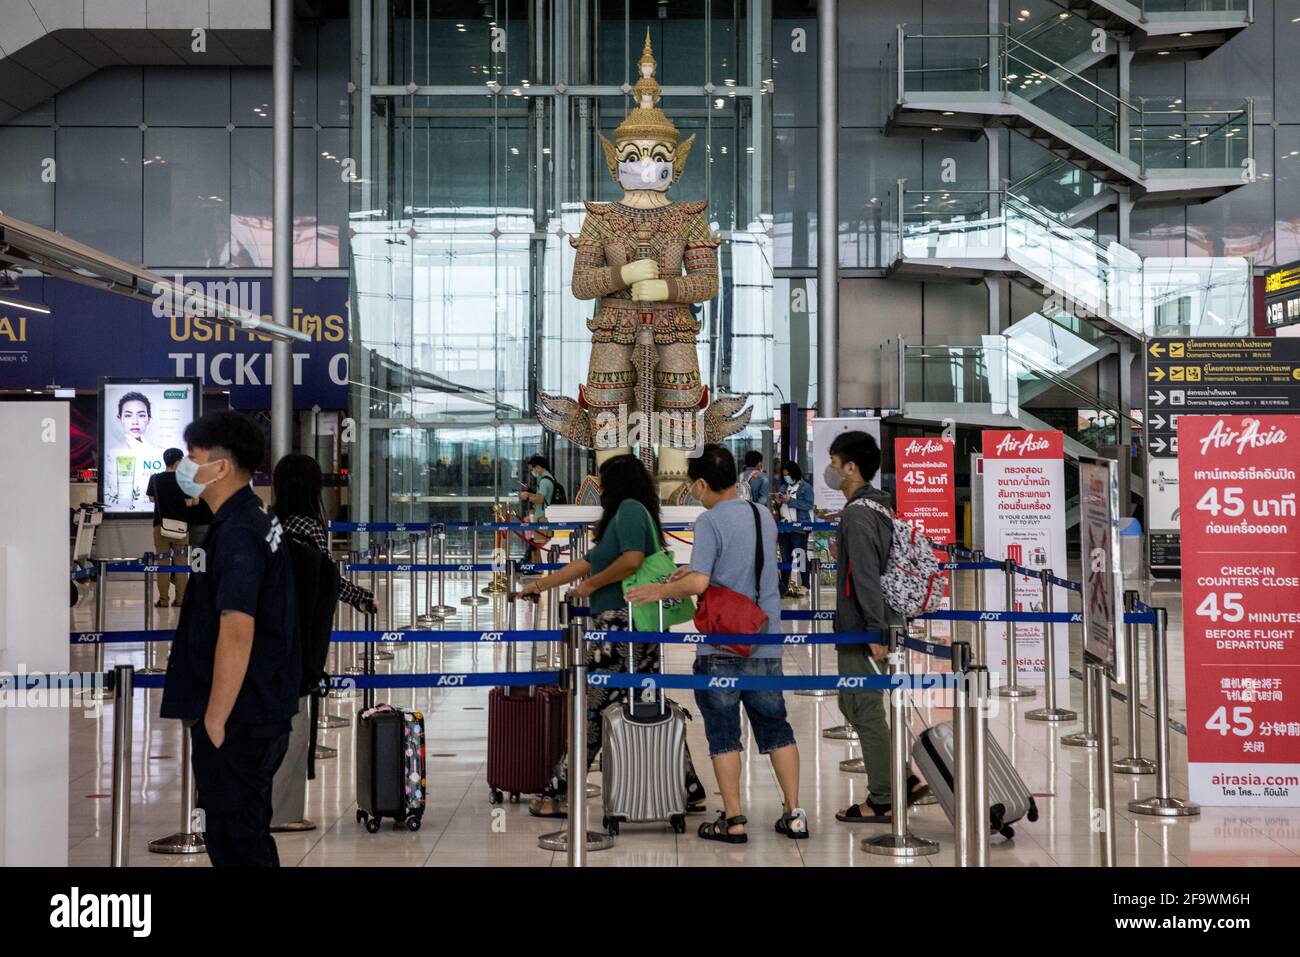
(139, 420)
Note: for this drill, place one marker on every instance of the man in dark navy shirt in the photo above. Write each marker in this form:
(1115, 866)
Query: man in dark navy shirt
(234, 669)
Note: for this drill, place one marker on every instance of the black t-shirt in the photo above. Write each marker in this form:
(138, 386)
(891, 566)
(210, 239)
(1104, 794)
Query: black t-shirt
(169, 501)
(243, 566)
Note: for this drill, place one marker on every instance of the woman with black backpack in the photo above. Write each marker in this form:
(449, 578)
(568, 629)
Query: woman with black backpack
(296, 500)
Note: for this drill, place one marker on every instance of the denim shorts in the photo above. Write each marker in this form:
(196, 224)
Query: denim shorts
(721, 709)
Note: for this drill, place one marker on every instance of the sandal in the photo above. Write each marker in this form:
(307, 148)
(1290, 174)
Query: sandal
(548, 805)
(719, 829)
(880, 814)
(293, 826)
(793, 824)
(916, 789)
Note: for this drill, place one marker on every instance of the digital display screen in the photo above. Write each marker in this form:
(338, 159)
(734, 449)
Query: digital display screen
(140, 419)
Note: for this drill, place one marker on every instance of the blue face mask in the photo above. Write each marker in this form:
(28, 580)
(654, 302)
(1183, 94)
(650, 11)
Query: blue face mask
(789, 480)
(185, 478)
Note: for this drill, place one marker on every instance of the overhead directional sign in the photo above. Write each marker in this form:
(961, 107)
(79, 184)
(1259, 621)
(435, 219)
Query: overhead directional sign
(1211, 376)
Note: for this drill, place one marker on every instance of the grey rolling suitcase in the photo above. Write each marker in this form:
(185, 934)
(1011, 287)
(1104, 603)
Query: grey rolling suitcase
(1009, 799)
(644, 758)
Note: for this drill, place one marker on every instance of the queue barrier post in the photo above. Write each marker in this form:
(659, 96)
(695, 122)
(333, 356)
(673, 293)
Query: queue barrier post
(1134, 763)
(1049, 712)
(977, 557)
(1012, 688)
(900, 842)
(442, 611)
(1162, 803)
(123, 693)
(978, 704)
(961, 771)
(189, 839)
(368, 663)
(101, 616)
(1105, 762)
(575, 670)
(150, 650)
(474, 598)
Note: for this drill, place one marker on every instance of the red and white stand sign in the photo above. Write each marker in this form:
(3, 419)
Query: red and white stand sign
(1024, 520)
(926, 497)
(1238, 486)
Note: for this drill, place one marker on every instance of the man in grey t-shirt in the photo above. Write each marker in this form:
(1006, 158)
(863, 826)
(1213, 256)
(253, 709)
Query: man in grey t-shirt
(723, 555)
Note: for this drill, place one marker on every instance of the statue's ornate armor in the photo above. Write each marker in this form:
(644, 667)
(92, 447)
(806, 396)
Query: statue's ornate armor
(677, 235)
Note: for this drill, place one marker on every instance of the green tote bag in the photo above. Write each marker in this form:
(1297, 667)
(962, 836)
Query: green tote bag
(658, 567)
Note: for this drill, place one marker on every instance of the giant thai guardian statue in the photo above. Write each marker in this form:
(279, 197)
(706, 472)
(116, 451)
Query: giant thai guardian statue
(645, 260)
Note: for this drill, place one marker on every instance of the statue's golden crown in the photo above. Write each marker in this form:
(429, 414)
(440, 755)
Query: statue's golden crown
(646, 121)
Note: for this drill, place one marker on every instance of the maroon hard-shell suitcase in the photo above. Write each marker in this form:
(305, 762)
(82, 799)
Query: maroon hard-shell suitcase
(525, 739)
(525, 734)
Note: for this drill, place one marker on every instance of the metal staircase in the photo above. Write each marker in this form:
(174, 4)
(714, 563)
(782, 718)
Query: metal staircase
(1186, 27)
(1160, 150)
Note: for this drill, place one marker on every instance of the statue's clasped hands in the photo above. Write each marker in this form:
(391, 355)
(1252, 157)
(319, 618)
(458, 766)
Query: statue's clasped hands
(643, 276)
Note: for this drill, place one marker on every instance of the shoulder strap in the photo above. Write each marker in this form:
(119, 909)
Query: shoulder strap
(758, 554)
(654, 529)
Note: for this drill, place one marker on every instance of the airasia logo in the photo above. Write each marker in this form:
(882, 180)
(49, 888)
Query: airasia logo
(1250, 437)
(923, 447)
(1021, 444)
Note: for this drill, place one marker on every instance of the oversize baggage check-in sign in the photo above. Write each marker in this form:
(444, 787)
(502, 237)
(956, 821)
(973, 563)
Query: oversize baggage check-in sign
(1241, 607)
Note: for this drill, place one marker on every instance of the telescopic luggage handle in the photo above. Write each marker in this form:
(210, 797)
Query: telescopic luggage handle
(631, 659)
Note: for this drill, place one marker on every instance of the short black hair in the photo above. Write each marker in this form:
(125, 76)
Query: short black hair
(230, 432)
(753, 458)
(860, 449)
(172, 456)
(135, 397)
(715, 465)
(539, 460)
(792, 467)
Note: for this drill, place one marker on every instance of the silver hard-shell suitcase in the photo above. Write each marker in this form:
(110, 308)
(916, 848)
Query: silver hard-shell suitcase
(644, 762)
(1009, 799)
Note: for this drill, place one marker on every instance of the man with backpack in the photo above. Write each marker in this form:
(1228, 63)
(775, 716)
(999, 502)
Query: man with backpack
(544, 490)
(865, 534)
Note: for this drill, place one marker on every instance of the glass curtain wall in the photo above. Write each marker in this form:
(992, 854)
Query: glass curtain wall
(475, 128)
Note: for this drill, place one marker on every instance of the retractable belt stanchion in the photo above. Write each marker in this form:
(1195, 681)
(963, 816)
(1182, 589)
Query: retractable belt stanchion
(474, 598)
(978, 704)
(900, 842)
(1012, 688)
(123, 692)
(1134, 763)
(977, 557)
(568, 840)
(814, 604)
(1105, 760)
(150, 649)
(1162, 804)
(353, 667)
(442, 611)
(552, 611)
(1049, 711)
(101, 617)
(187, 840)
(424, 618)
(961, 753)
(383, 651)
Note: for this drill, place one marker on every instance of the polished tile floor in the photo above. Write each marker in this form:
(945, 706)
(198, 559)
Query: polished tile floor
(462, 828)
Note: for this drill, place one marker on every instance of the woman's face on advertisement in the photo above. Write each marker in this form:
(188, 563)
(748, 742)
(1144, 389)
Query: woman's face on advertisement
(134, 418)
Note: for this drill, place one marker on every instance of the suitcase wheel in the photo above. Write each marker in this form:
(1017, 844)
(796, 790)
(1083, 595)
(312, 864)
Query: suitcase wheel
(361, 816)
(1033, 811)
(494, 796)
(412, 823)
(678, 822)
(1008, 832)
(514, 797)
(611, 825)
(372, 825)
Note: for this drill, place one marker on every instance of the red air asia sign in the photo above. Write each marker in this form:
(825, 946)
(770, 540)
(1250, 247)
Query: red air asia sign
(1238, 488)
(925, 487)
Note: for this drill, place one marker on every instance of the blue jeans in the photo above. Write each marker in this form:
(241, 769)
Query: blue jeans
(721, 709)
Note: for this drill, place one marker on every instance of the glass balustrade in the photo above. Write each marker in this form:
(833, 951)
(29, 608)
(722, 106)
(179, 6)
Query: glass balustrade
(1153, 132)
(1057, 188)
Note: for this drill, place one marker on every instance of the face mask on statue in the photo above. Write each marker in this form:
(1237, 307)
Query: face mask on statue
(645, 174)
